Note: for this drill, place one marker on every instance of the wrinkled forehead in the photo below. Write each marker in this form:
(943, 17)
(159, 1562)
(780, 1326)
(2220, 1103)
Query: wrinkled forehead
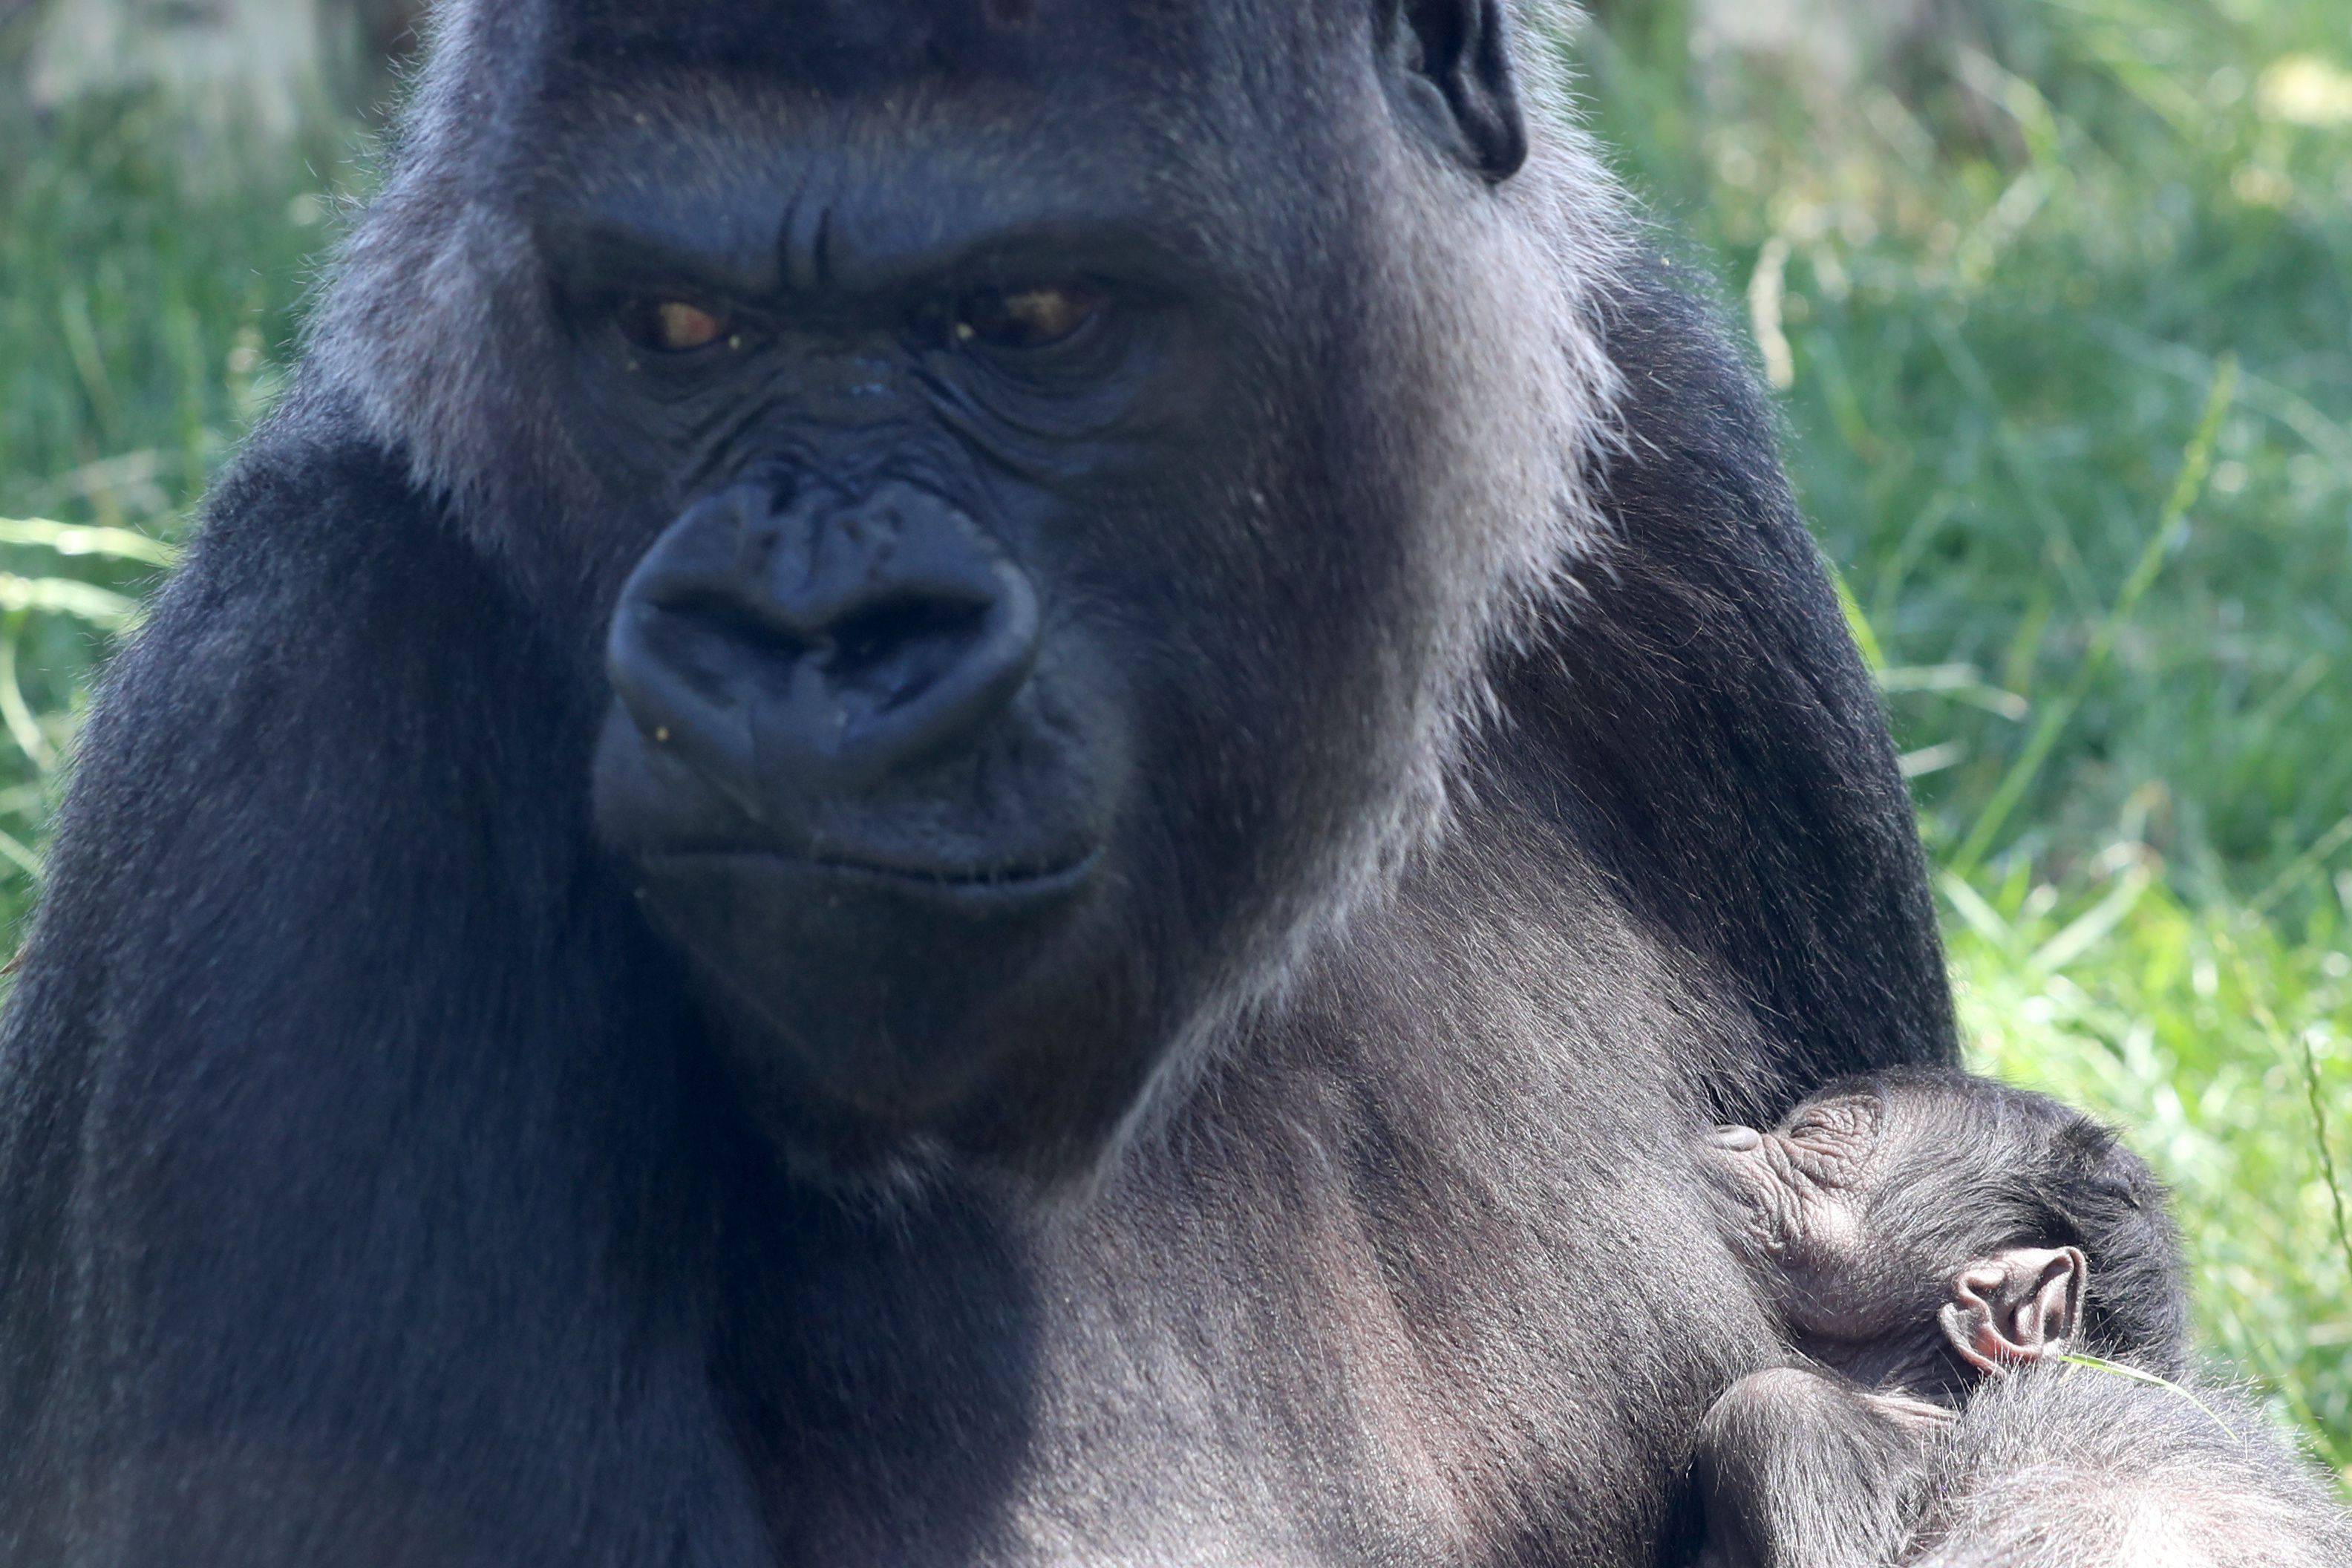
(1856, 1113)
(873, 115)
(868, 45)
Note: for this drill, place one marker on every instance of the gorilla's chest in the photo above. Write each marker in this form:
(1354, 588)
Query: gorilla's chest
(1252, 1372)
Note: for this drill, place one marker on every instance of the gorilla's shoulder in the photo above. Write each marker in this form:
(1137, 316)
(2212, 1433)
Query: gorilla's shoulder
(313, 473)
(1693, 414)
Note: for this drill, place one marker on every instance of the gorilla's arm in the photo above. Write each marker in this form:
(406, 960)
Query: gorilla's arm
(345, 1220)
(2064, 1463)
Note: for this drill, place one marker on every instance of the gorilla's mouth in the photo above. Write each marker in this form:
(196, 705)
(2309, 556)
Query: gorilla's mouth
(881, 985)
(1013, 881)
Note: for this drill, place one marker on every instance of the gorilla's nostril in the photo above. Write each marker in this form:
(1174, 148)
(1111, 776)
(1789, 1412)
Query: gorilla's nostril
(896, 650)
(857, 643)
(727, 619)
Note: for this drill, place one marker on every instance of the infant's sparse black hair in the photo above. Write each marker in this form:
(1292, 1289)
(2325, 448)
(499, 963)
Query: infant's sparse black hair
(2039, 1173)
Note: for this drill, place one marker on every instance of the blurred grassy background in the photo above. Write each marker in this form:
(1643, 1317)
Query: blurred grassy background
(2064, 337)
(2063, 334)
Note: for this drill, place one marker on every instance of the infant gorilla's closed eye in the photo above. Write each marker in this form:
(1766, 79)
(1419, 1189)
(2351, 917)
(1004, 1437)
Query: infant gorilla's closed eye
(1935, 1244)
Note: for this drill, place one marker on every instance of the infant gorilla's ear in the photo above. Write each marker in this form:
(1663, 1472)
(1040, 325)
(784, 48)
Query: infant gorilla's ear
(2018, 1306)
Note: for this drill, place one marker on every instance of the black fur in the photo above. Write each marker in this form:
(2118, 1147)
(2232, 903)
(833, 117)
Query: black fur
(381, 1195)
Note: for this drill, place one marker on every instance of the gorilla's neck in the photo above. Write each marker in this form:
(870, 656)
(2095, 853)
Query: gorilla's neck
(1376, 1260)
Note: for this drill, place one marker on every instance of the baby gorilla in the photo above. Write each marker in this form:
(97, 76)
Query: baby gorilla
(1935, 1244)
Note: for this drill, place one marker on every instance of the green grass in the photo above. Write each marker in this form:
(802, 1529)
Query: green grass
(2064, 346)
(150, 276)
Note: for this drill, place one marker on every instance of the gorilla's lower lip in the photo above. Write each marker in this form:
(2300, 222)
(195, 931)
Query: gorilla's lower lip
(1014, 881)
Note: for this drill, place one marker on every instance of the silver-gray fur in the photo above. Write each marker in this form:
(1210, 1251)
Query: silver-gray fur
(2083, 1467)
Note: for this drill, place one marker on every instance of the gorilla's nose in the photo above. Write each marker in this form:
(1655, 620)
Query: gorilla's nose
(820, 646)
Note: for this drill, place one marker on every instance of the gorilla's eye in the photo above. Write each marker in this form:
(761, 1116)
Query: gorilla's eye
(1019, 319)
(671, 326)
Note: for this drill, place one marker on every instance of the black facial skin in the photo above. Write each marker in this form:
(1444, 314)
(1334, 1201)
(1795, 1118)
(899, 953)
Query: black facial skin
(909, 697)
(968, 782)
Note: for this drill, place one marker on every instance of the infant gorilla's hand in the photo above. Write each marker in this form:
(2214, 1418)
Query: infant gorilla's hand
(1798, 1468)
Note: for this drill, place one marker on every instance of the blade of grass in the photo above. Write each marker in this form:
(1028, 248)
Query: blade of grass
(15, 849)
(1961, 682)
(2310, 860)
(17, 712)
(2196, 466)
(2119, 1369)
(2320, 1138)
(2298, 1045)
(76, 539)
(1865, 636)
(2086, 931)
(64, 596)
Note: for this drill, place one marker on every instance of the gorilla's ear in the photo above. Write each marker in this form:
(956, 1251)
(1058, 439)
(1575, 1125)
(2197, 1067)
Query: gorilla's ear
(2019, 1306)
(1452, 63)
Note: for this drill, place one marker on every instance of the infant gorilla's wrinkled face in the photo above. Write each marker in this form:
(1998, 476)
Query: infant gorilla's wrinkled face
(1801, 1198)
(1881, 1218)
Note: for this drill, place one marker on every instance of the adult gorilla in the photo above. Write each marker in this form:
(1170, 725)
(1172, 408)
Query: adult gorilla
(972, 781)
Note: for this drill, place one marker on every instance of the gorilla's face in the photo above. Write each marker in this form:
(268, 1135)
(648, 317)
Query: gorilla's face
(1020, 626)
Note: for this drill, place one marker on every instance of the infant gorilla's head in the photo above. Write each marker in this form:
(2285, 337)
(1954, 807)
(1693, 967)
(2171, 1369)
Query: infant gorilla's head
(1920, 1228)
